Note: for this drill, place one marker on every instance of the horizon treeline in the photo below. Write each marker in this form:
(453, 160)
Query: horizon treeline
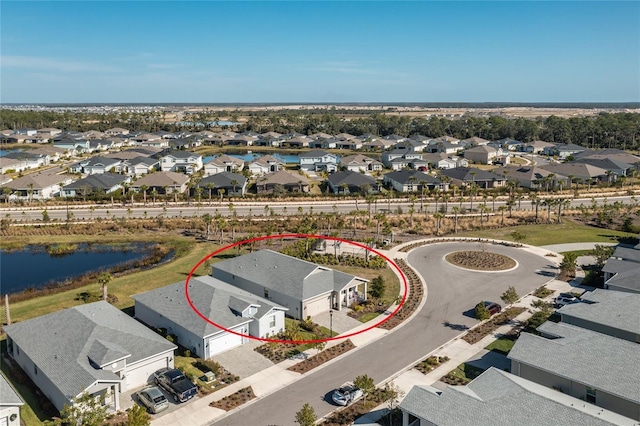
(605, 130)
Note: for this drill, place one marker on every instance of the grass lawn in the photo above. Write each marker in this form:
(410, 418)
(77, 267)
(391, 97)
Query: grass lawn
(546, 234)
(501, 345)
(578, 252)
(368, 316)
(465, 372)
(27, 413)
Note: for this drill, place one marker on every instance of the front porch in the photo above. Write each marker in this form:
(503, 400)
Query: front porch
(355, 292)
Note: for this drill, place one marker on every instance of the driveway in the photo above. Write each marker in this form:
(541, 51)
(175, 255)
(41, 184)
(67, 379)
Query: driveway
(451, 292)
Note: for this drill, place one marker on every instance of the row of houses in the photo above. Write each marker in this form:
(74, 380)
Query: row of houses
(581, 370)
(99, 350)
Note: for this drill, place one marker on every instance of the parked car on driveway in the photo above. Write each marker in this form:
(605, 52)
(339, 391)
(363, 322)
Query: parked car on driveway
(346, 394)
(153, 399)
(492, 307)
(176, 383)
(565, 299)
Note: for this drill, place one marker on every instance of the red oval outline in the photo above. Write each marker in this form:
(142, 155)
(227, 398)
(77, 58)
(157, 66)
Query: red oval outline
(295, 342)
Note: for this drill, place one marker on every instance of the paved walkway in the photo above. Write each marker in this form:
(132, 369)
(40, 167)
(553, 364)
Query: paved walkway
(243, 361)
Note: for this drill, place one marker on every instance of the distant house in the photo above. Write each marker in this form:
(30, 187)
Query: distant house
(37, 186)
(483, 154)
(75, 146)
(231, 183)
(32, 160)
(564, 150)
(348, 182)
(361, 163)
(104, 183)
(324, 143)
(412, 181)
(618, 168)
(223, 163)
(500, 398)
(181, 162)
(442, 160)
(10, 403)
(140, 166)
(304, 288)
(162, 183)
(584, 173)
(265, 164)
(282, 181)
(463, 176)
(400, 158)
(151, 140)
(227, 306)
(318, 160)
(604, 376)
(12, 165)
(95, 165)
(533, 177)
(537, 147)
(93, 348)
(614, 313)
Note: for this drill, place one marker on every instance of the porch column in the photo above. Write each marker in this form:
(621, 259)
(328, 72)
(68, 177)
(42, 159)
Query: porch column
(365, 290)
(116, 396)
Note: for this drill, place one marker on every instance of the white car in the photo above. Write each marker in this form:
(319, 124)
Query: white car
(565, 299)
(346, 394)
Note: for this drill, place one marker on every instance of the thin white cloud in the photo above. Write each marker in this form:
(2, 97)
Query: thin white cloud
(39, 63)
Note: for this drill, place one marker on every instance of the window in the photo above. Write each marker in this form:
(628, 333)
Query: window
(272, 321)
(591, 395)
(35, 369)
(266, 293)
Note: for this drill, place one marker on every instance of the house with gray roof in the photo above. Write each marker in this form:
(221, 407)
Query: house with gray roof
(533, 177)
(223, 163)
(181, 162)
(412, 181)
(319, 160)
(622, 269)
(265, 164)
(232, 313)
(348, 182)
(93, 348)
(304, 288)
(231, 183)
(618, 168)
(464, 176)
(97, 164)
(595, 367)
(610, 312)
(10, 403)
(483, 154)
(499, 398)
(281, 181)
(37, 186)
(361, 163)
(104, 183)
(162, 183)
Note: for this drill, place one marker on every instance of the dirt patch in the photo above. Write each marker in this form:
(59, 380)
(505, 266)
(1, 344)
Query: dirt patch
(480, 260)
(235, 399)
(476, 334)
(322, 357)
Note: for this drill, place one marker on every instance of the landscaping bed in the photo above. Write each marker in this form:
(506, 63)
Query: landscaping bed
(430, 363)
(542, 292)
(480, 260)
(416, 292)
(477, 333)
(322, 357)
(458, 240)
(195, 369)
(349, 414)
(234, 400)
(462, 375)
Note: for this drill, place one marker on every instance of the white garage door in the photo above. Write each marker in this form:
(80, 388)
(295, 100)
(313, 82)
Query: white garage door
(4, 421)
(224, 342)
(318, 306)
(141, 375)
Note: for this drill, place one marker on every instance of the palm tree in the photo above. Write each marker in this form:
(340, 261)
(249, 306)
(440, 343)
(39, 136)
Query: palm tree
(456, 210)
(144, 189)
(438, 216)
(501, 209)
(209, 187)
(549, 202)
(561, 202)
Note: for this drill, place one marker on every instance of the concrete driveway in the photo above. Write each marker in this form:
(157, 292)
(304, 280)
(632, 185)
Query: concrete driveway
(451, 293)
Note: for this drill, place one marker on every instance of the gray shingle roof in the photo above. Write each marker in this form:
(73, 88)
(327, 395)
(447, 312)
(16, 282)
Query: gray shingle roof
(224, 179)
(8, 395)
(60, 343)
(98, 181)
(611, 308)
(405, 177)
(351, 179)
(594, 359)
(499, 398)
(285, 274)
(213, 298)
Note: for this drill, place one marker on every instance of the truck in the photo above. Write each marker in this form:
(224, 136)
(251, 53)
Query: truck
(176, 383)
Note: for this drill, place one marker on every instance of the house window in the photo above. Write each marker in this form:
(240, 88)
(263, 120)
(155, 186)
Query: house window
(591, 395)
(35, 369)
(272, 321)
(266, 293)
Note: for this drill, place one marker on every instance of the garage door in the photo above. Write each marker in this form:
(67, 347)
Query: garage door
(141, 375)
(224, 342)
(318, 306)
(4, 421)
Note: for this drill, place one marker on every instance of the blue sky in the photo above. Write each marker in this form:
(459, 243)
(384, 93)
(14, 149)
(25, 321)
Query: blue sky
(209, 51)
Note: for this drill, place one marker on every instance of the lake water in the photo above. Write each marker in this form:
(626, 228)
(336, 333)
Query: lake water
(4, 152)
(286, 158)
(33, 267)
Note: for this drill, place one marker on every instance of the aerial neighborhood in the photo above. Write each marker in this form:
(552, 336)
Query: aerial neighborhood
(338, 304)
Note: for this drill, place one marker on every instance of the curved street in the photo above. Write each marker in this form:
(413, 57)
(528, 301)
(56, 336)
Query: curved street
(451, 294)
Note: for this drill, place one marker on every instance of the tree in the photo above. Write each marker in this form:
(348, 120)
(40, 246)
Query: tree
(481, 312)
(377, 287)
(366, 385)
(569, 264)
(103, 280)
(392, 396)
(137, 416)
(85, 410)
(510, 296)
(602, 254)
(306, 416)
(45, 216)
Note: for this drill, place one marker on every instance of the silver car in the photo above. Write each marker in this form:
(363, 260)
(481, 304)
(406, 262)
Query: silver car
(346, 394)
(153, 399)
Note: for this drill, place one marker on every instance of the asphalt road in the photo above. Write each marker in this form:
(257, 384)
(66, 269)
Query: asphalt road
(33, 213)
(451, 292)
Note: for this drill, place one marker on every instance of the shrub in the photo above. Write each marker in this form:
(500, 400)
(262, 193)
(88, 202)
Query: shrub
(481, 312)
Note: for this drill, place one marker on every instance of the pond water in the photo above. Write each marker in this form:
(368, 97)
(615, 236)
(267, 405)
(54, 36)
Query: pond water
(4, 152)
(33, 266)
(286, 158)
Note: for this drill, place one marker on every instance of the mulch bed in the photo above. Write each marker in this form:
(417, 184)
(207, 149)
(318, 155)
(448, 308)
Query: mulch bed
(480, 260)
(322, 357)
(349, 414)
(476, 334)
(235, 399)
(430, 363)
(416, 292)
